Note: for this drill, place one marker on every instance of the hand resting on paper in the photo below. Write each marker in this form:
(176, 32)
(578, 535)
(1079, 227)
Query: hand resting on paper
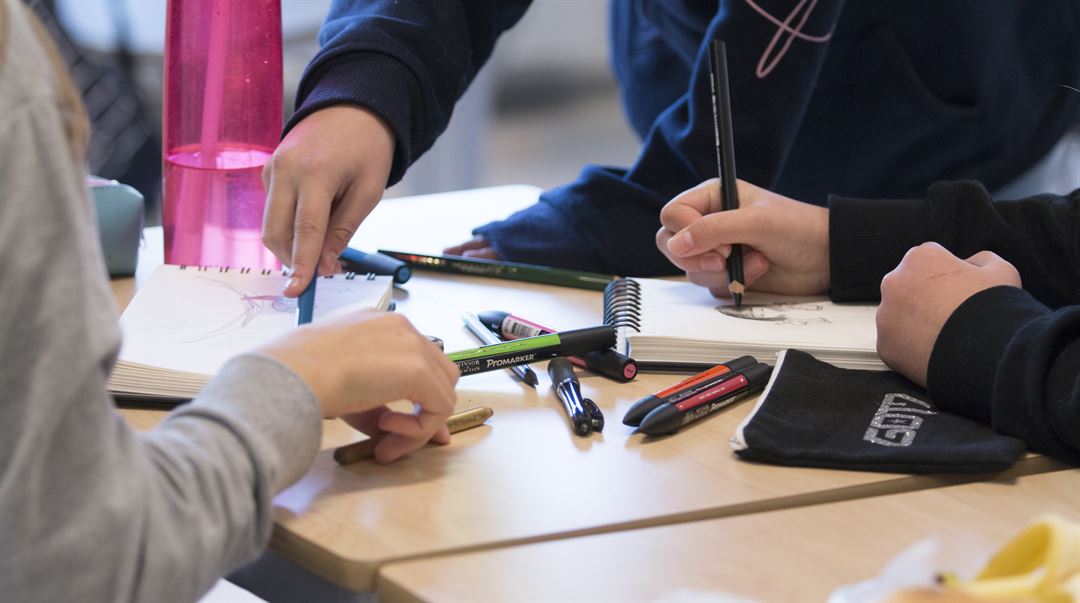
(922, 293)
(786, 242)
(356, 364)
(325, 177)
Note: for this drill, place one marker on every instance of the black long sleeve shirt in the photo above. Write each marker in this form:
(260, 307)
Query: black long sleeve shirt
(1007, 357)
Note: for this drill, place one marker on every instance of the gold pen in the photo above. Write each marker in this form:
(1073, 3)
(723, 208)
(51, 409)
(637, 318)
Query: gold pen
(360, 451)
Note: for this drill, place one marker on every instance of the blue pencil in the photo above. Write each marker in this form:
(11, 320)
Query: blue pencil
(305, 304)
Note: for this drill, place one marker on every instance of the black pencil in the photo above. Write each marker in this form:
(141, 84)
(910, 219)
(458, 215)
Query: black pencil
(725, 158)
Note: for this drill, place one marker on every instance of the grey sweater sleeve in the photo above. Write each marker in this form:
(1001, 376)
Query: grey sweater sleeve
(91, 510)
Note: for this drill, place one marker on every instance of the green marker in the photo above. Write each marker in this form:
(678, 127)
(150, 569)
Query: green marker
(513, 271)
(533, 349)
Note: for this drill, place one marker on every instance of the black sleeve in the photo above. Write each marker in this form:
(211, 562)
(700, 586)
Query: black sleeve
(1039, 235)
(1005, 359)
(408, 61)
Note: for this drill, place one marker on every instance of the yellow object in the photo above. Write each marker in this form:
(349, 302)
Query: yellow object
(1041, 564)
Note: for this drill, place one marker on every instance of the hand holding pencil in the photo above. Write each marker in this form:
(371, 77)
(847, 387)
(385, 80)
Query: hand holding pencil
(785, 242)
(704, 229)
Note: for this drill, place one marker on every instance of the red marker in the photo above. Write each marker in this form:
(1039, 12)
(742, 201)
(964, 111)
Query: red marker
(608, 363)
(687, 387)
(669, 418)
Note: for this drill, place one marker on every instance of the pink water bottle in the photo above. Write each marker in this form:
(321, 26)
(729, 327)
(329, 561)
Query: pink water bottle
(222, 120)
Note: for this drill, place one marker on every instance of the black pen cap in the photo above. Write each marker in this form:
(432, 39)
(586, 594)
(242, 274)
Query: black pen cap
(560, 369)
(758, 375)
(741, 363)
(581, 341)
(596, 416)
(611, 364)
(493, 320)
(358, 261)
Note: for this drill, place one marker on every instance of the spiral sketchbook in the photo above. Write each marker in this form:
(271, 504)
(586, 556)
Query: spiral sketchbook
(185, 322)
(662, 323)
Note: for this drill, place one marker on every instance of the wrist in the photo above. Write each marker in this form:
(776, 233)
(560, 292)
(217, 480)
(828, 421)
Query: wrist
(967, 353)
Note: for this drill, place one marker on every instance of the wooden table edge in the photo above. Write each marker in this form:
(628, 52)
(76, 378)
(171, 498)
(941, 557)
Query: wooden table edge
(363, 575)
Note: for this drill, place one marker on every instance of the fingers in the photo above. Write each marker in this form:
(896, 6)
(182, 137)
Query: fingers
(277, 232)
(477, 243)
(714, 230)
(984, 258)
(355, 206)
(486, 253)
(366, 422)
(409, 432)
(691, 205)
(1002, 270)
(309, 232)
(710, 261)
(434, 398)
(755, 265)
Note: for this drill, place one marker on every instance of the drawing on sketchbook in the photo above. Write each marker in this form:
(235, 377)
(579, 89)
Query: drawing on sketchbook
(251, 306)
(784, 313)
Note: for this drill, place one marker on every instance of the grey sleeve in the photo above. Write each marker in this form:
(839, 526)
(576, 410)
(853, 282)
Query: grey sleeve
(93, 511)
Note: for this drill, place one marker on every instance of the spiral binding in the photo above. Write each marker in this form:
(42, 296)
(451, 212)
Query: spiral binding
(369, 276)
(622, 304)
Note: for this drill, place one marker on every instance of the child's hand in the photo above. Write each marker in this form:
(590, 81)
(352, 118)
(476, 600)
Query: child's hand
(324, 178)
(922, 293)
(786, 243)
(355, 365)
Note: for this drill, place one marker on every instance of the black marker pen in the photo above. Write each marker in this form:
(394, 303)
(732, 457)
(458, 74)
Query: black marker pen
(608, 363)
(568, 389)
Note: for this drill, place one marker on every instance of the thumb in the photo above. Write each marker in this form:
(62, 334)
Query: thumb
(712, 231)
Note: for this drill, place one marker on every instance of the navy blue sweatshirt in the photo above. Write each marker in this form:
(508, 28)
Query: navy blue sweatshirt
(1007, 357)
(866, 99)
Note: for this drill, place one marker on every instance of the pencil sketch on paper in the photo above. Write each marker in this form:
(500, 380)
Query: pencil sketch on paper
(794, 314)
(251, 306)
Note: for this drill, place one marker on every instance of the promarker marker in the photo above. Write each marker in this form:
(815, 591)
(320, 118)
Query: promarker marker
(533, 349)
(608, 363)
(686, 387)
(669, 418)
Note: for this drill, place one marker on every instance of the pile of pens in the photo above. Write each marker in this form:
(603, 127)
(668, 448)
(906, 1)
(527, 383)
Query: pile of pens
(664, 412)
(511, 341)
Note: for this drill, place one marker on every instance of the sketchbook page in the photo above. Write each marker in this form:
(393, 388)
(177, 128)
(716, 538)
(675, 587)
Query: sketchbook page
(686, 312)
(195, 319)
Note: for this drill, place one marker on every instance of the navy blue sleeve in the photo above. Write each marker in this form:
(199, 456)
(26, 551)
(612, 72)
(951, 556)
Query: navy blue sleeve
(606, 220)
(408, 61)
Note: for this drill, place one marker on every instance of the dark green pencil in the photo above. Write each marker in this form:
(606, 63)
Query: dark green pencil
(514, 271)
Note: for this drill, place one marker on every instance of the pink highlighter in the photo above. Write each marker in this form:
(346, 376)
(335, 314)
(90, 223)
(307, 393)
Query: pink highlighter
(222, 119)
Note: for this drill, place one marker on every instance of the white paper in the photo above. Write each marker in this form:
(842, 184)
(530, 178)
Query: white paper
(195, 320)
(682, 322)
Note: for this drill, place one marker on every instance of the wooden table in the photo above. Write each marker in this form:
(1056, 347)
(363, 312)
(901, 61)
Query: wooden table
(524, 477)
(794, 555)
